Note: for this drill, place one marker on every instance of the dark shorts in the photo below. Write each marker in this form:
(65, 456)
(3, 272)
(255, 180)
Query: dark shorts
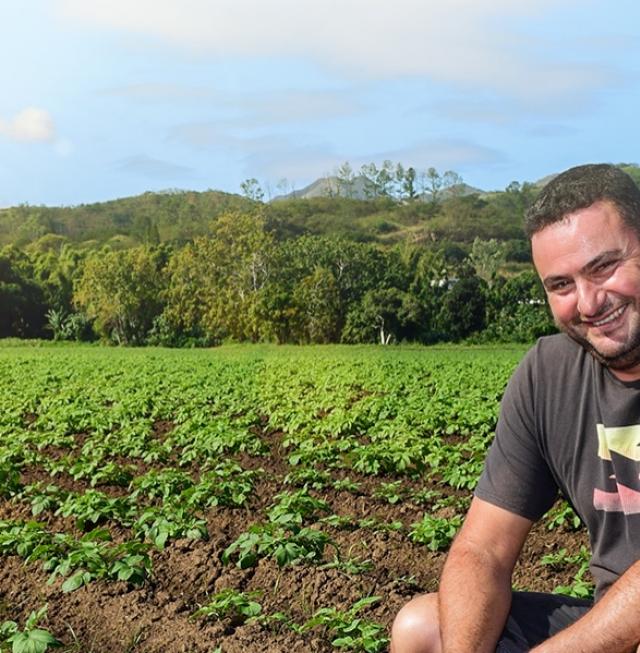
(535, 617)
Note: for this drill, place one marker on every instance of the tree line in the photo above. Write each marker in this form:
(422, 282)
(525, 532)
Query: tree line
(372, 181)
(244, 282)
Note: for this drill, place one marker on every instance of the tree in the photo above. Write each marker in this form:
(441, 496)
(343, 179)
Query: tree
(346, 180)
(314, 276)
(463, 308)
(369, 174)
(317, 296)
(452, 182)
(56, 270)
(435, 182)
(252, 190)
(517, 310)
(120, 291)
(376, 318)
(385, 179)
(407, 182)
(487, 257)
(22, 302)
(215, 283)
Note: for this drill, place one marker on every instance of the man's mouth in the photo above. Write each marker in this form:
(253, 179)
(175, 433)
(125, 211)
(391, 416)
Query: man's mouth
(610, 318)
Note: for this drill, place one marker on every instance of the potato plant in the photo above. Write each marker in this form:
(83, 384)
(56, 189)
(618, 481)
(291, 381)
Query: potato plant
(212, 499)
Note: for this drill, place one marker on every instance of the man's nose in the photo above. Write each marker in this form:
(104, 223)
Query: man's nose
(591, 298)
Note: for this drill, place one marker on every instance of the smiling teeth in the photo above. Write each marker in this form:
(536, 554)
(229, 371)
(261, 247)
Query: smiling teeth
(610, 318)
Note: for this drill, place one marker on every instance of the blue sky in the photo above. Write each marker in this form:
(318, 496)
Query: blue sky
(111, 98)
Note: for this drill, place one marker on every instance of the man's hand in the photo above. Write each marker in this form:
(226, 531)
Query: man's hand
(611, 626)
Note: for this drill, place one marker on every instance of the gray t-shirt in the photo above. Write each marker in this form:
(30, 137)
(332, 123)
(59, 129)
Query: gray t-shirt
(566, 422)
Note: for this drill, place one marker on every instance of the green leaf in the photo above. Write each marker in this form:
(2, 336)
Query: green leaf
(367, 600)
(248, 560)
(161, 539)
(33, 641)
(341, 642)
(74, 582)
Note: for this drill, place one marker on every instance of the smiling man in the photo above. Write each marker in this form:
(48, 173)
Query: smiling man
(569, 423)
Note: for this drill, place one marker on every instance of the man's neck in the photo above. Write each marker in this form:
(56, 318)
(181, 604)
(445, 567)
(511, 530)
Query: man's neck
(627, 376)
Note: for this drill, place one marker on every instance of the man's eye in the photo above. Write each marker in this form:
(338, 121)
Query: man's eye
(558, 286)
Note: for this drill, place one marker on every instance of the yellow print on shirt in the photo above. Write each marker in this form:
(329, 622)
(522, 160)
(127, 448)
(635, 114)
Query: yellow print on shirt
(620, 446)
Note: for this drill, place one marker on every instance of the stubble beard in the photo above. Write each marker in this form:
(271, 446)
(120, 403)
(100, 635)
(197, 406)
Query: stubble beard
(626, 358)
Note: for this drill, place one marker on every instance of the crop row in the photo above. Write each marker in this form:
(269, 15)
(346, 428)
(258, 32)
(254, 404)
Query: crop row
(290, 458)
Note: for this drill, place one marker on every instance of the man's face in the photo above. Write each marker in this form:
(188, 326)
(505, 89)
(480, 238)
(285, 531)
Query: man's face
(589, 263)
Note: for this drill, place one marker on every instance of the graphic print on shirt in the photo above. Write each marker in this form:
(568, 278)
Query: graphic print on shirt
(621, 447)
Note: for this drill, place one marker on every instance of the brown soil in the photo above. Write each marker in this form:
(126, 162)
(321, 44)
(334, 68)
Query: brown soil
(111, 617)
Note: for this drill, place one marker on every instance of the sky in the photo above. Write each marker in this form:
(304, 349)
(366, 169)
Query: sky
(111, 98)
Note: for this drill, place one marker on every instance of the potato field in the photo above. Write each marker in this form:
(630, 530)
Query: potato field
(245, 498)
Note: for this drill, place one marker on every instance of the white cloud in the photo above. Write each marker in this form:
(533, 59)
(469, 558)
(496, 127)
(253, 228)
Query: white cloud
(203, 135)
(446, 153)
(162, 92)
(484, 43)
(249, 109)
(31, 125)
(147, 166)
(293, 105)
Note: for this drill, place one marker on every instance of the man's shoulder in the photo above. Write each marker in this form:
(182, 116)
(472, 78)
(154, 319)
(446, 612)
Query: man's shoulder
(555, 358)
(558, 344)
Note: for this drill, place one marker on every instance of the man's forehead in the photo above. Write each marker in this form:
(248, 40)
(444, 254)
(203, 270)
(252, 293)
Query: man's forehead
(584, 220)
(579, 238)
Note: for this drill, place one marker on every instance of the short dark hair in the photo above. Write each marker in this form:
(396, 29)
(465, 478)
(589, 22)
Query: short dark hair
(580, 187)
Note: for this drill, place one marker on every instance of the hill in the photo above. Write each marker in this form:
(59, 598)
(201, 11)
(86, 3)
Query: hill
(179, 216)
(175, 216)
(457, 213)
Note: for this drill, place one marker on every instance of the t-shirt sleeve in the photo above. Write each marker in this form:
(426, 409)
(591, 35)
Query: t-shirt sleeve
(516, 477)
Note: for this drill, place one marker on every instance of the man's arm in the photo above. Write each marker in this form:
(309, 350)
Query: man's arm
(475, 590)
(612, 625)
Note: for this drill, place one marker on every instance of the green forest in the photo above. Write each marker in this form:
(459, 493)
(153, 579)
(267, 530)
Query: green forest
(385, 256)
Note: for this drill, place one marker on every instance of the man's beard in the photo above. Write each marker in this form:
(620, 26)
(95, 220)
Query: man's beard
(626, 358)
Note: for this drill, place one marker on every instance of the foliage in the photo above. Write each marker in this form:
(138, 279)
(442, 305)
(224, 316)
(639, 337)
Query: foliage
(169, 521)
(150, 441)
(172, 215)
(463, 308)
(21, 298)
(180, 268)
(119, 290)
(563, 516)
(435, 532)
(582, 586)
(517, 310)
(311, 289)
(286, 546)
(153, 438)
(210, 275)
(9, 479)
(30, 639)
(294, 508)
(93, 507)
(487, 257)
(229, 602)
(91, 557)
(390, 492)
(74, 326)
(348, 630)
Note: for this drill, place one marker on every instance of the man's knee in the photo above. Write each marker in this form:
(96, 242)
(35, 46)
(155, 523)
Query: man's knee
(416, 628)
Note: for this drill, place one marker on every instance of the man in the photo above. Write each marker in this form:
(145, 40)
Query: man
(569, 421)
